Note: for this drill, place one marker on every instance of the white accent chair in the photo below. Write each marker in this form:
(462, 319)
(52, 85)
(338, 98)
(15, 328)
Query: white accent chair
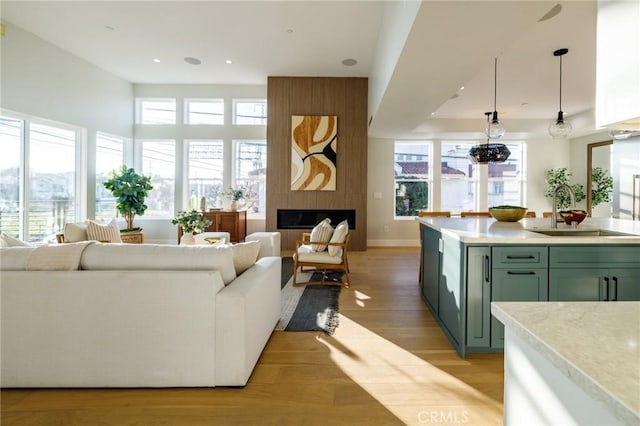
(270, 243)
(320, 261)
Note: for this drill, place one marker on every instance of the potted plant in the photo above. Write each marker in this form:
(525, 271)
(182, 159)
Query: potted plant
(191, 221)
(555, 177)
(601, 186)
(130, 189)
(234, 195)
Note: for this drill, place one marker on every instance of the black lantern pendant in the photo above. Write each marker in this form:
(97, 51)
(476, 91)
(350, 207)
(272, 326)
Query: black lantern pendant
(489, 152)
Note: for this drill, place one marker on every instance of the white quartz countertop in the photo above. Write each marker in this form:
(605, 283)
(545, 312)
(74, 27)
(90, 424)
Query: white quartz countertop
(595, 344)
(526, 231)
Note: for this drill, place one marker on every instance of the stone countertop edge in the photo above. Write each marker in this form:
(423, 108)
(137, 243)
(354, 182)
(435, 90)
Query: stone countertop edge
(617, 389)
(480, 230)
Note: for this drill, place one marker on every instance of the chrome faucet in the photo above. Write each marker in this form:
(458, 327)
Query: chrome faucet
(554, 223)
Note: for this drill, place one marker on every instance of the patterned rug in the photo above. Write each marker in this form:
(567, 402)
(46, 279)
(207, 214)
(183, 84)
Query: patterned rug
(308, 308)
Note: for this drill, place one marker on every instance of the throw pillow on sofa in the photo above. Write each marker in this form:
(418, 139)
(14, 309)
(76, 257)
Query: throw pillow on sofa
(245, 255)
(109, 233)
(9, 241)
(74, 232)
(321, 233)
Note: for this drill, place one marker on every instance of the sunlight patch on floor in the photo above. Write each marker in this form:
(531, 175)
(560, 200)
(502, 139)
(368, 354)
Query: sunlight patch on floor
(411, 388)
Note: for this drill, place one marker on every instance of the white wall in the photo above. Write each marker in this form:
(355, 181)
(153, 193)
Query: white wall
(384, 230)
(45, 81)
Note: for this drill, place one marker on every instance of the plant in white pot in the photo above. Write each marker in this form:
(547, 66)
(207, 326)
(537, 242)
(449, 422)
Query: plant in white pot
(234, 195)
(191, 221)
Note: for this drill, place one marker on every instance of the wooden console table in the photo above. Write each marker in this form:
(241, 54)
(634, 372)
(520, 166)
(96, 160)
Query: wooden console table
(233, 222)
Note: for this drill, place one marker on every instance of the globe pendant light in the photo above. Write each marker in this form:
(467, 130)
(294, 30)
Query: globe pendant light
(560, 128)
(489, 152)
(495, 130)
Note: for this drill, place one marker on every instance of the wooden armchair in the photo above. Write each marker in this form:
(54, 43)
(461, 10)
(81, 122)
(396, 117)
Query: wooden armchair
(320, 261)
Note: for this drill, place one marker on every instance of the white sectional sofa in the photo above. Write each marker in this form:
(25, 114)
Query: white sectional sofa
(133, 316)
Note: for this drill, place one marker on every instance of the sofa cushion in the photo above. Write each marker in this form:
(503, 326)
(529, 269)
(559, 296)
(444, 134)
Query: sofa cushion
(74, 232)
(245, 255)
(145, 257)
(14, 258)
(321, 233)
(62, 257)
(109, 233)
(9, 241)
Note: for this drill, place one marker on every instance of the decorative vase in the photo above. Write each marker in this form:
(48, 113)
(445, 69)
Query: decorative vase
(234, 205)
(187, 239)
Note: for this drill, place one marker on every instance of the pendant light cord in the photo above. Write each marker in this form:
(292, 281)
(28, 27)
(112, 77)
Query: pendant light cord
(495, 82)
(560, 82)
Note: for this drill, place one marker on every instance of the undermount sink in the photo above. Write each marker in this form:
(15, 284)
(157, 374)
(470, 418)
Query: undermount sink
(581, 233)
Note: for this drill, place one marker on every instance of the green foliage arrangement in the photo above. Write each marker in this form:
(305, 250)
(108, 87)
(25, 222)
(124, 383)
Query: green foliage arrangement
(191, 221)
(601, 186)
(555, 177)
(130, 190)
(234, 194)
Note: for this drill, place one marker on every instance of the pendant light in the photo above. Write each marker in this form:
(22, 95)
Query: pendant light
(560, 128)
(495, 130)
(489, 152)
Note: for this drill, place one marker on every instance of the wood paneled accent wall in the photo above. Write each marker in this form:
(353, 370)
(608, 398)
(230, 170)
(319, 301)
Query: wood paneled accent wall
(344, 97)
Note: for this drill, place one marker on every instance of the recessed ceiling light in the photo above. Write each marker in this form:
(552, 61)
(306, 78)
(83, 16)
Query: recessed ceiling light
(461, 87)
(433, 113)
(192, 61)
(349, 62)
(156, 60)
(228, 61)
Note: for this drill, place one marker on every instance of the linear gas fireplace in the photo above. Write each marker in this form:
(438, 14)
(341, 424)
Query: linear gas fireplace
(308, 218)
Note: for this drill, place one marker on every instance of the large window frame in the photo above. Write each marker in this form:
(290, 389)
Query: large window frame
(412, 178)
(156, 111)
(250, 172)
(41, 225)
(243, 118)
(160, 165)
(201, 116)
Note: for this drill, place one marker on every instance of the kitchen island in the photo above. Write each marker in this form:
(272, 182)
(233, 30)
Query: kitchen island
(469, 262)
(571, 363)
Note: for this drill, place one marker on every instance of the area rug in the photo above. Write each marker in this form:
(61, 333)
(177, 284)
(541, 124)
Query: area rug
(308, 308)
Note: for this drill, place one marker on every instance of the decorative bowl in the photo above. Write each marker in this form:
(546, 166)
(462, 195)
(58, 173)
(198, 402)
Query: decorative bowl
(573, 216)
(508, 213)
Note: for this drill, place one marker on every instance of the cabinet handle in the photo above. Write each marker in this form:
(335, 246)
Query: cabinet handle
(521, 273)
(606, 290)
(486, 269)
(520, 257)
(614, 292)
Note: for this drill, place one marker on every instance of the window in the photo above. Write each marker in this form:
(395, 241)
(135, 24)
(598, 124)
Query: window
(507, 180)
(109, 157)
(204, 111)
(412, 178)
(250, 167)
(206, 165)
(158, 162)
(251, 112)
(156, 111)
(459, 178)
(11, 136)
(51, 181)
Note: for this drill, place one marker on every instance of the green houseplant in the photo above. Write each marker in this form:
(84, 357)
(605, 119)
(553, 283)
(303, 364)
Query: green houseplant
(234, 195)
(191, 221)
(555, 177)
(601, 186)
(130, 189)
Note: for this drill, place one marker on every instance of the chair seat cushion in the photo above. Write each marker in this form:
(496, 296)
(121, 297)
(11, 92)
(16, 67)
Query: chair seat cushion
(306, 253)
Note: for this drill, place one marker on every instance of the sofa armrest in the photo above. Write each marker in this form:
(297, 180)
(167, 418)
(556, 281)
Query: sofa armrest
(247, 311)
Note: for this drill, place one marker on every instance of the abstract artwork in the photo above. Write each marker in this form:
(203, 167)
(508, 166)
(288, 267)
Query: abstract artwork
(314, 140)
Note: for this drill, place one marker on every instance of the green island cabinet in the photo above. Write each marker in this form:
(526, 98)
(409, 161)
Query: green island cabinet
(459, 281)
(609, 273)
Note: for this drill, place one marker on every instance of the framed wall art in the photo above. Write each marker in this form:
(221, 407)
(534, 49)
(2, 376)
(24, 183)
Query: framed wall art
(314, 140)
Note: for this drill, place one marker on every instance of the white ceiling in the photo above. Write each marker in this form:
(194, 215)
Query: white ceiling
(451, 44)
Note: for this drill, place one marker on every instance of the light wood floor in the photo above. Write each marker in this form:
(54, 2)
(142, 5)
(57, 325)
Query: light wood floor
(387, 364)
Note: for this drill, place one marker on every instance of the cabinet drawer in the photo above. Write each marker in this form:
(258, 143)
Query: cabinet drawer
(594, 256)
(519, 257)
